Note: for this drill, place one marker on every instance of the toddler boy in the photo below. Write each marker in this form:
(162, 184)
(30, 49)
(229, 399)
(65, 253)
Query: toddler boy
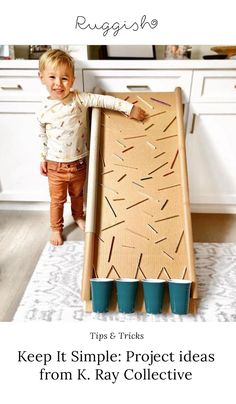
(63, 133)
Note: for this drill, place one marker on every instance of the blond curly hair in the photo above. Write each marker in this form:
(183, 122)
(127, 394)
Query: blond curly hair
(56, 57)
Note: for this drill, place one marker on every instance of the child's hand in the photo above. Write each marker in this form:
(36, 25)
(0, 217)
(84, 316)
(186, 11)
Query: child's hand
(43, 168)
(137, 113)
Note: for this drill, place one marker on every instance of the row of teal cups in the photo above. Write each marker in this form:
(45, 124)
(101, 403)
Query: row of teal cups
(179, 292)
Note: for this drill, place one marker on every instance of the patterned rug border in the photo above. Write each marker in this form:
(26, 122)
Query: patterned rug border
(53, 293)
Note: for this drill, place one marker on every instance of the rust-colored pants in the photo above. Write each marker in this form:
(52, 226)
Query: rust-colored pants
(63, 177)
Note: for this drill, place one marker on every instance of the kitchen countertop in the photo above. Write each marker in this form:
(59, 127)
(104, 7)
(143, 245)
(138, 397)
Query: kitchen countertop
(130, 64)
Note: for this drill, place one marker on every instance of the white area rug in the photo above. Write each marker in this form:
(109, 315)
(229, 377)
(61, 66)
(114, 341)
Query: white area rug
(53, 293)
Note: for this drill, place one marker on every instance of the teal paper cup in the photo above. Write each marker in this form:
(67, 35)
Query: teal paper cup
(101, 294)
(126, 294)
(153, 295)
(179, 291)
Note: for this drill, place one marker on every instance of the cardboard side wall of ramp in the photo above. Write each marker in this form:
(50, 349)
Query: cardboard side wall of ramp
(138, 216)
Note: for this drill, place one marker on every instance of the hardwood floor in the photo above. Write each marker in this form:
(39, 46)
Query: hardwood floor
(214, 228)
(23, 235)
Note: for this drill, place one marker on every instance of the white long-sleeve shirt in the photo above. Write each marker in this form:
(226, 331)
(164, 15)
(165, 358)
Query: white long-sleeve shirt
(63, 127)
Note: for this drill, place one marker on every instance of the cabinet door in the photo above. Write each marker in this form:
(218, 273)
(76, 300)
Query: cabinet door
(138, 80)
(211, 145)
(20, 179)
(214, 86)
(21, 85)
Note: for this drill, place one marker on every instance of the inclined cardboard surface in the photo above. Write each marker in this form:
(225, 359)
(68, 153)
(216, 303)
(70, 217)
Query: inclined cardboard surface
(143, 227)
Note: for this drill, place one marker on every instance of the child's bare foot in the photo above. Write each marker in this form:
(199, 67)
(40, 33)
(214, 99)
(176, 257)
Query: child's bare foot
(81, 223)
(56, 238)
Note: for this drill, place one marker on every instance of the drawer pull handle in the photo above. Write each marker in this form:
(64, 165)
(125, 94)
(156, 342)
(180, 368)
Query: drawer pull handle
(193, 124)
(138, 87)
(11, 87)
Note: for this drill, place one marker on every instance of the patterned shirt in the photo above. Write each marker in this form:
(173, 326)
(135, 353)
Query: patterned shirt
(63, 127)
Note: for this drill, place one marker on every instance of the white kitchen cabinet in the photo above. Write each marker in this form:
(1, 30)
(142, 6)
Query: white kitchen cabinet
(129, 80)
(24, 85)
(209, 94)
(20, 85)
(214, 86)
(20, 94)
(20, 178)
(126, 80)
(211, 141)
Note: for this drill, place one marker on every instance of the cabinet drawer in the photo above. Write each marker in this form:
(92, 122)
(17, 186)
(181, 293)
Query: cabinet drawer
(20, 85)
(138, 80)
(214, 86)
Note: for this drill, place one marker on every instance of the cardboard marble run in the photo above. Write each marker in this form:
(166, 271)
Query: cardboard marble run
(138, 221)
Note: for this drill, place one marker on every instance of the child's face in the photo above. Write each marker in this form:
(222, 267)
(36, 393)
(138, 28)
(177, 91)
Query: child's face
(58, 80)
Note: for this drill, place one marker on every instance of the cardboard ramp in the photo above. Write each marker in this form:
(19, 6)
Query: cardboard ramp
(138, 216)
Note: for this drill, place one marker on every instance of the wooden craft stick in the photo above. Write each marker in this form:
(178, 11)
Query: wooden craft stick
(158, 276)
(134, 137)
(164, 204)
(171, 186)
(108, 172)
(129, 148)
(119, 142)
(160, 240)
(95, 272)
(137, 234)
(111, 248)
(164, 269)
(121, 165)
(166, 218)
(148, 213)
(166, 137)
(114, 213)
(151, 145)
(137, 203)
(99, 238)
(110, 270)
(159, 155)
(136, 183)
(160, 101)
(109, 189)
(173, 162)
(169, 124)
(184, 273)
(145, 178)
(153, 228)
(113, 225)
(158, 168)
(158, 113)
(117, 273)
(181, 237)
(117, 156)
(149, 127)
(138, 266)
(122, 177)
(169, 173)
(140, 269)
(145, 102)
